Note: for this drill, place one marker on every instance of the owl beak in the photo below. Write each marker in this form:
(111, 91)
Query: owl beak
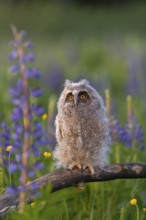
(76, 100)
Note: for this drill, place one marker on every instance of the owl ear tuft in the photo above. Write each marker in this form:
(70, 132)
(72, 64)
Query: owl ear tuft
(67, 82)
(84, 81)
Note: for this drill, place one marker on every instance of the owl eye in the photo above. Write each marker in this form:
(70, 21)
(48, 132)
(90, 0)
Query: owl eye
(82, 97)
(71, 98)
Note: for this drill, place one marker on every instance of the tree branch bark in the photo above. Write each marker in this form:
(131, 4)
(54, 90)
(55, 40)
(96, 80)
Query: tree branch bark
(64, 178)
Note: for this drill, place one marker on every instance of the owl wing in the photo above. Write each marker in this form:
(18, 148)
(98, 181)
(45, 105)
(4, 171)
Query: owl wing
(59, 128)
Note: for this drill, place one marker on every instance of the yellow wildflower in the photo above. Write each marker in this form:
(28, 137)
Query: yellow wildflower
(32, 204)
(133, 201)
(44, 117)
(47, 154)
(9, 148)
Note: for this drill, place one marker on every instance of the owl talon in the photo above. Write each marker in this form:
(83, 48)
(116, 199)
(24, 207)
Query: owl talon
(90, 167)
(74, 166)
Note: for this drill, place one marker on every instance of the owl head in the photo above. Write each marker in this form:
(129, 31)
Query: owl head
(79, 95)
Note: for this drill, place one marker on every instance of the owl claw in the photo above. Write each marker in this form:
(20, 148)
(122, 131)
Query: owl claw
(90, 167)
(74, 166)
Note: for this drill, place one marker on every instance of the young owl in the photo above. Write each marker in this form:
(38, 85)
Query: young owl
(81, 128)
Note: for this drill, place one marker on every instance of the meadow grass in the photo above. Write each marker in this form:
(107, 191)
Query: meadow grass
(106, 46)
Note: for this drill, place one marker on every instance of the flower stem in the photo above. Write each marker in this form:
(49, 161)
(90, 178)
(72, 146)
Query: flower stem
(1, 172)
(26, 115)
(10, 179)
(137, 212)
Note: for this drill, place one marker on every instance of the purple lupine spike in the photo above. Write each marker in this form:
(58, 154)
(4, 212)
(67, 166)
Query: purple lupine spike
(18, 157)
(21, 188)
(35, 150)
(18, 128)
(12, 190)
(13, 55)
(23, 34)
(38, 110)
(36, 92)
(14, 68)
(28, 44)
(13, 167)
(26, 129)
(16, 114)
(3, 124)
(31, 173)
(33, 73)
(30, 57)
(39, 165)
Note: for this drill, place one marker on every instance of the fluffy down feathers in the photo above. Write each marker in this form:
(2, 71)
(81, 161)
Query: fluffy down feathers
(82, 131)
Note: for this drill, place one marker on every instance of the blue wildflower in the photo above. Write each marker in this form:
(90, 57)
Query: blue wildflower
(12, 190)
(33, 73)
(30, 57)
(38, 110)
(13, 167)
(14, 68)
(28, 44)
(36, 92)
(16, 114)
(13, 55)
(39, 165)
(35, 150)
(31, 173)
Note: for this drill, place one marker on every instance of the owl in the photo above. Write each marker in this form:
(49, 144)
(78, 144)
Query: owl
(82, 128)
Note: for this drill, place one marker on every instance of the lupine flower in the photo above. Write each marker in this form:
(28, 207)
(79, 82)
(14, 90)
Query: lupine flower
(129, 133)
(18, 157)
(28, 44)
(33, 73)
(31, 173)
(16, 91)
(35, 150)
(14, 68)
(13, 167)
(39, 165)
(38, 110)
(16, 134)
(12, 190)
(34, 185)
(13, 55)
(5, 135)
(30, 57)
(25, 128)
(21, 188)
(36, 92)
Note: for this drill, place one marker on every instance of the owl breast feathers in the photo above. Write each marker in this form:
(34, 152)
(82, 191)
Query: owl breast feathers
(82, 131)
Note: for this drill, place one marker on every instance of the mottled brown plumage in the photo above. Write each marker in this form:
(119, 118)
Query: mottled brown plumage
(81, 127)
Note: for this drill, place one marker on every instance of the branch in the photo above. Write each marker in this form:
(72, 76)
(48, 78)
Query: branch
(64, 178)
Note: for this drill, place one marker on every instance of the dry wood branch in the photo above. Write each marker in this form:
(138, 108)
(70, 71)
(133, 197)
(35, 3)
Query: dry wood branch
(66, 178)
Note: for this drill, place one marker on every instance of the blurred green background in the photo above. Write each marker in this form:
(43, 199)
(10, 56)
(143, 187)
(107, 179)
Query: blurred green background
(104, 43)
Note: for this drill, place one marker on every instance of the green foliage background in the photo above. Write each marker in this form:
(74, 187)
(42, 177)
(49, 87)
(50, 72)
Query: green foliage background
(92, 43)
